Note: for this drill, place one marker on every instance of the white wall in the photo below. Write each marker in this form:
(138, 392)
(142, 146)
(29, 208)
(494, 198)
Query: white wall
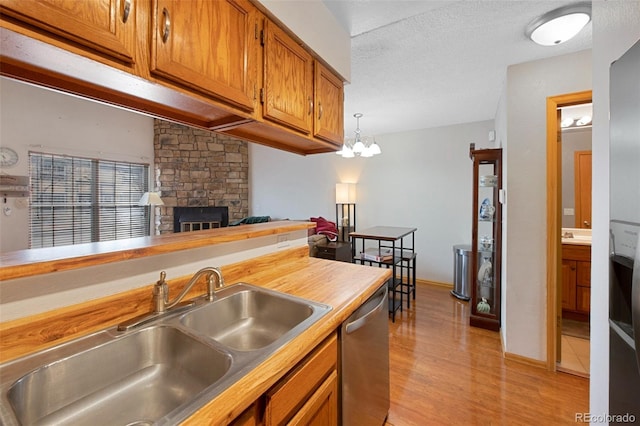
(36, 119)
(607, 47)
(528, 86)
(422, 179)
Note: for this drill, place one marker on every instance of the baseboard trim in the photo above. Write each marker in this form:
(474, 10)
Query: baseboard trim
(573, 372)
(525, 360)
(436, 283)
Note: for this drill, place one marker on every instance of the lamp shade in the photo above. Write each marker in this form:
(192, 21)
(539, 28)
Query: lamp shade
(150, 199)
(345, 193)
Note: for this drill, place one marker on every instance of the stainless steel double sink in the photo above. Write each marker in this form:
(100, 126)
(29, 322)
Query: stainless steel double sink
(158, 374)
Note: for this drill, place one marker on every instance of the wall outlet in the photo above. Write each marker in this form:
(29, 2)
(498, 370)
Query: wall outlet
(569, 212)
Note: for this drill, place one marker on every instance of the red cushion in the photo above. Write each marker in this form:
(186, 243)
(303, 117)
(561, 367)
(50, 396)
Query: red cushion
(326, 227)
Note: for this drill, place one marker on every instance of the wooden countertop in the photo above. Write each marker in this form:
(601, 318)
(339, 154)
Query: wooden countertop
(23, 263)
(343, 286)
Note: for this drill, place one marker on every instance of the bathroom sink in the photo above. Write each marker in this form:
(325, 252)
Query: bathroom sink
(247, 318)
(133, 379)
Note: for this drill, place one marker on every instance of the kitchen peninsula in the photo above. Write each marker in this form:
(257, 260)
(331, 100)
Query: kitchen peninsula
(272, 255)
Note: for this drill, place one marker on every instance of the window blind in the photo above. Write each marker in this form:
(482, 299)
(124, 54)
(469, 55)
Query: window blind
(78, 200)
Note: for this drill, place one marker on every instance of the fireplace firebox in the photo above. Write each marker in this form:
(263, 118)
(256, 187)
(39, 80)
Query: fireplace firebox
(187, 219)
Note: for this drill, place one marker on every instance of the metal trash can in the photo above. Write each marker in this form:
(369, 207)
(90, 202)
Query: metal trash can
(462, 271)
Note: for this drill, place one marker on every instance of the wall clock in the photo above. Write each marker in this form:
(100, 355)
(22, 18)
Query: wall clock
(8, 157)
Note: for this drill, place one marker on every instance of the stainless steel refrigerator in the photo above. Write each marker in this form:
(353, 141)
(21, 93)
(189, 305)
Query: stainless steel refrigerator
(624, 282)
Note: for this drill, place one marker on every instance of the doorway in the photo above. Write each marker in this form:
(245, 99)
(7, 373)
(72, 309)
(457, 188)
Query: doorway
(555, 216)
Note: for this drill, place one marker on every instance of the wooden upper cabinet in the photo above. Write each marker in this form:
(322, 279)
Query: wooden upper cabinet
(210, 46)
(329, 105)
(288, 80)
(106, 26)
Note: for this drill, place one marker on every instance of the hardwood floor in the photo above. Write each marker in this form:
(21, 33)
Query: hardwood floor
(445, 372)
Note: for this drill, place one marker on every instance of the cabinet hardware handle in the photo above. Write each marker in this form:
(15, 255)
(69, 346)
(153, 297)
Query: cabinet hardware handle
(310, 105)
(126, 10)
(319, 111)
(587, 224)
(167, 25)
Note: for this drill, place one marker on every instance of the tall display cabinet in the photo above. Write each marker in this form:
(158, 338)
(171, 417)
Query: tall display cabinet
(486, 240)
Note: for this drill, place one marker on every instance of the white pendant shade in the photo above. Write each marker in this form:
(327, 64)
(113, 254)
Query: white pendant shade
(359, 146)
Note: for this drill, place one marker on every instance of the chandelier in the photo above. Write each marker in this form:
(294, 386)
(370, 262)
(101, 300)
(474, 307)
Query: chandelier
(361, 146)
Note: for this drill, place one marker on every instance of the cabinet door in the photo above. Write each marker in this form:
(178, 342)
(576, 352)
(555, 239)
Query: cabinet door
(107, 26)
(288, 80)
(583, 274)
(210, 46)
(486, 239)
(249, 417)
(321, 409)
(583, 299)
(303, 383)
(569, 285)
(329, 105)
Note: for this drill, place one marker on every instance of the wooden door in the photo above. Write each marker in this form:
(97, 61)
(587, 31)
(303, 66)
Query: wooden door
(288, 80)
(210, 46)
(107, 26)
(582, 171)
(329, 105)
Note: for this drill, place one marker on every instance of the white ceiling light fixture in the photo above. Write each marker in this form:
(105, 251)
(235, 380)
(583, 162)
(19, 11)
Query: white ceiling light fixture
(559, 25)
(361, 146)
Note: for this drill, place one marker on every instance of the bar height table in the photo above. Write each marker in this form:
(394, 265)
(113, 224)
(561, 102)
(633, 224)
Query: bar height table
(403, 261)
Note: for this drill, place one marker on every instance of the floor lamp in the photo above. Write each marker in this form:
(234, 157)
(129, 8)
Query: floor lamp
(345, 209)
(151, 199)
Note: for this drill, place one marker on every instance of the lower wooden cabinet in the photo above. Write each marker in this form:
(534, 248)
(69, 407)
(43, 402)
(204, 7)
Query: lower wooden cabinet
(321, 409)
(307, 395)
(293, 394)
(576, 279)
(569, 285)
(249, 417)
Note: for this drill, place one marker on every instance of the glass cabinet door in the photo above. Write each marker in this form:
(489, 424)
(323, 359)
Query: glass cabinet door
(486, 238)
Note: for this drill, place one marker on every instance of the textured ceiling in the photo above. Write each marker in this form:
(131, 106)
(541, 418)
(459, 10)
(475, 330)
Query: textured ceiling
(419, 64)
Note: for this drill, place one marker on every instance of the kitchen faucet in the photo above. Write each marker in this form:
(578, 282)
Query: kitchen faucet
(161, 301)
(161, 289)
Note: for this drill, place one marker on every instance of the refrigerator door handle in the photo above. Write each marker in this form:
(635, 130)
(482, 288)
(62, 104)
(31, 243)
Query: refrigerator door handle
(360, 322)
(615, 328)
(635, 300)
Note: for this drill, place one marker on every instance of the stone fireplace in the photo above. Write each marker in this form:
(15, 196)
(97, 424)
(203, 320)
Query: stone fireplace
(199, 169)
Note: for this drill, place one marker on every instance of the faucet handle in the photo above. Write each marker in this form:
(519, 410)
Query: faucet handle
(160, 288)
(160, 293)
(161, 284)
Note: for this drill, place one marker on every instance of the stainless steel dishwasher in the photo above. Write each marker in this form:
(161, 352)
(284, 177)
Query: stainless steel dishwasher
(365, 362)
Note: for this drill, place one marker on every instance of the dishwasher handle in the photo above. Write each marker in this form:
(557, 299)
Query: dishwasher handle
(362, 321)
